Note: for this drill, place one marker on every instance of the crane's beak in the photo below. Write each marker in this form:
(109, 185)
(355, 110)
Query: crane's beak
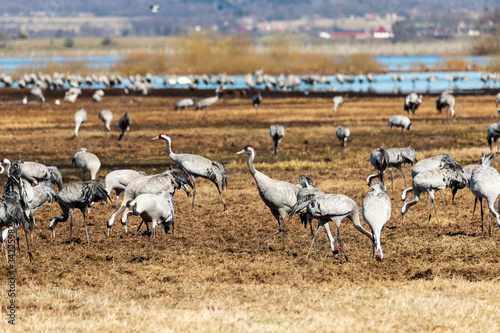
(240, 152)
(155, 138)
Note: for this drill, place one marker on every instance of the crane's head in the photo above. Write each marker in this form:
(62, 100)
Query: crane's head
(131, 203)
(248, 150)
(162, 136)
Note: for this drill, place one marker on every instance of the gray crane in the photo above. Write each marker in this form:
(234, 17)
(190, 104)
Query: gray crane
(198, 166)
(80, 118)
(334, 207)
(35, 172)
(87, 162)
(80, 195)
(124, 124)
(119, 179)
(279, 196)
(382, 158)
(184, 104)
(493, 135)
(337, 102)
(376, 210)
(277, 132)
(155, 208)
(400, 121)
(37, 92)
(43, 194)
(412, 102)
(446, 101)
(498, 99)
(485, 183)
(431, 181)
(342, 134)
(106, 117)
(256, 100)
(170, 180)
(98, 95)
(208, 102)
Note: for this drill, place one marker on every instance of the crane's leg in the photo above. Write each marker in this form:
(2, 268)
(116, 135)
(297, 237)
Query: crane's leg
(149, 242)
(392, 180)
(475, 202)
(442, 197)
(333, 246)
(85, 223)
(481, 204)
(220, 194)
(492, 212)
(284, 232)
(274, 234)
(340, 240)
(401, 170)
(117, 197)
(19, 247)
(194, 192)
(320, 224)
(71, 225)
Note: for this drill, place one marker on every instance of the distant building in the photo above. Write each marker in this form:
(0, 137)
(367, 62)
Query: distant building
(382, 33)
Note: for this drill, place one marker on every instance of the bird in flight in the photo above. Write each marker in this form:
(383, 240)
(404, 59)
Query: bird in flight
(154, 8)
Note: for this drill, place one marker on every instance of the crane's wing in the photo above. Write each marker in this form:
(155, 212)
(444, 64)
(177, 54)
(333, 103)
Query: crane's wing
(218, 173)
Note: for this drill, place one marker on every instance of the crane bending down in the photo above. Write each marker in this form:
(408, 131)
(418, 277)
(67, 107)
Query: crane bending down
(184, 103)
(334, 207)
(279, 196)
(446, 101)
(155, 208)
(485, 183)
(277, 132)
(106, 117)
(43, 193)
(382, 158)
(376, 210)
(400, 121)
(80, 118)
(431, 181)
(337, 102)
(78, 195)
(124, 124)
(87, 162)
(172, 179)
(198, 166)
(342, 134)
(119, 179)
(35, 172)
(412, 102)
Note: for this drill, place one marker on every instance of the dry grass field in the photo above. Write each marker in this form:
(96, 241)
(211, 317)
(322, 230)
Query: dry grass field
(437, 275)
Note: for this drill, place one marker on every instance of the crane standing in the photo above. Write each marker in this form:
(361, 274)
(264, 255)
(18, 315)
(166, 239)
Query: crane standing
(337, 102)
(198, 166)
(382, 158)
(119, 179)
(412, 102)
(277, 132)
(446, 101)
(342, 134)
(256, 100)
(87, 162)
(124, 124)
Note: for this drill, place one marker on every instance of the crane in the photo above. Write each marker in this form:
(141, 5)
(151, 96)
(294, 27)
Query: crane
(485, 183)
(106, 117)
(156, 208)
(279, 196)
(256, 100)
(493, 135)
(198, 166)
(43, 193)
(184, 103)
(119, 179)
(124, 124)
(400, 121)
(87, 162)
(376, 209)
(208, 102)
(412, 102)
(80, 195)
(80, 117)
(337, 102)
(342, 134)
(277, 132)
(446, 101)
(35, 172)
(98, 95)
(37, 92)
(382, 158)
(334, 207)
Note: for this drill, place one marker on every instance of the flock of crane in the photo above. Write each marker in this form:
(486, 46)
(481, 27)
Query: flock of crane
(29, 184)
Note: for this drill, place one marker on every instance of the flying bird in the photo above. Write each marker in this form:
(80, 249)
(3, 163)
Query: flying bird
(154, 8)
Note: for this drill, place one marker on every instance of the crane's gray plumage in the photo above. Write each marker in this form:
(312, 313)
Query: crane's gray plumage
(124, 124)
(278, 195)
(208, 102)
(170, 180)
(498, 99)
(155, 208)
(35, 172)
(37, 92)
(87, 162)
(106, 117)
(493, 135)
(342, 134)
(119, 179)
(431, 181)
(98, 95)
(184, 104)
(198, 166)
(337, 101)
(78, 195)
(382, 158)
(80, 117)
(256, 100)
(485, 184)
(446, 101)
(334, 207)
(412, 102)
(277, 132)
(43, 194)
(376, 210)
(400, 121)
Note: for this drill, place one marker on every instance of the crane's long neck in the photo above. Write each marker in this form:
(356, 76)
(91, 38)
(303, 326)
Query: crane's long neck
(77, 127)
(357, 224)
(169, 147)
(251, 157)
